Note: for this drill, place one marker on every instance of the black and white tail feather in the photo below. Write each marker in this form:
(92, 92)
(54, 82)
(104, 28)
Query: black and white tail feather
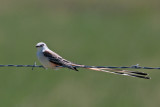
(116, 71)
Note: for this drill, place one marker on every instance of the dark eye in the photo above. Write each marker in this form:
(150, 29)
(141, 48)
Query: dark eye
(42, 45)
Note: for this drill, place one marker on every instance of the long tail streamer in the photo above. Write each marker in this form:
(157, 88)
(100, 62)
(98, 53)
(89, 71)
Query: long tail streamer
(109, 69)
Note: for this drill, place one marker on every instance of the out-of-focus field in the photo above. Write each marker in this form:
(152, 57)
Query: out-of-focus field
(91, 32)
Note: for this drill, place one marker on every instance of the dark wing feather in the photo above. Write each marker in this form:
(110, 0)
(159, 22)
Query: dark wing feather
(55, 60)
(59, 60)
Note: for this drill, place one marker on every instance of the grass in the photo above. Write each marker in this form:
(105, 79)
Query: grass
(86, 35)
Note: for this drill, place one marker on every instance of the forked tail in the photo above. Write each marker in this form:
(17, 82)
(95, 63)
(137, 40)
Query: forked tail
(122, 72)
(117, 71)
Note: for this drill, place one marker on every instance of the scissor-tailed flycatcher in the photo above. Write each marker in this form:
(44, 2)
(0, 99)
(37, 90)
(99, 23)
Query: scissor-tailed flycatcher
(50, 59)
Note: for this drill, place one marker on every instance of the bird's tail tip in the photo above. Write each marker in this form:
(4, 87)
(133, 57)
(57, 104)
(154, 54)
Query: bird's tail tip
(123, 72)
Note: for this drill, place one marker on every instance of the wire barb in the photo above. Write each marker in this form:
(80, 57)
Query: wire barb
(136, 66)
(113, 67)
(101, 68)
(34, 65)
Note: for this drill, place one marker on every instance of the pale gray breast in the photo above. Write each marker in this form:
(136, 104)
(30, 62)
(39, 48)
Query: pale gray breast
(43, 60)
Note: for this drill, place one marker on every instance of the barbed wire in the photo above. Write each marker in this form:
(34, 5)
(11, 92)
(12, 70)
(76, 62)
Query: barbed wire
(113, 67)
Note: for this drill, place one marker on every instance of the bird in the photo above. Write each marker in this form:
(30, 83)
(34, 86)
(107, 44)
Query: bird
(50, 59)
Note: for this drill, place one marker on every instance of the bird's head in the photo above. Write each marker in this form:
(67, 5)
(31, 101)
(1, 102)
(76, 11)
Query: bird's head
(41, 45)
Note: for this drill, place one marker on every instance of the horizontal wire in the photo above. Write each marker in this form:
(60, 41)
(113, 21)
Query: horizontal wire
(10, 65)
(121, 67)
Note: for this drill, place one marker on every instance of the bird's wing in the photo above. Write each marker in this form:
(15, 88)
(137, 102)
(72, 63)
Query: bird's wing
(58, 60)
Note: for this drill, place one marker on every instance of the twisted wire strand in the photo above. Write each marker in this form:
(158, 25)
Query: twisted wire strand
(114, 67)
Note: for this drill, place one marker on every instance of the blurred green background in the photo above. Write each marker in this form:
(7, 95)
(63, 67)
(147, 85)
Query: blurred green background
(91, 32)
